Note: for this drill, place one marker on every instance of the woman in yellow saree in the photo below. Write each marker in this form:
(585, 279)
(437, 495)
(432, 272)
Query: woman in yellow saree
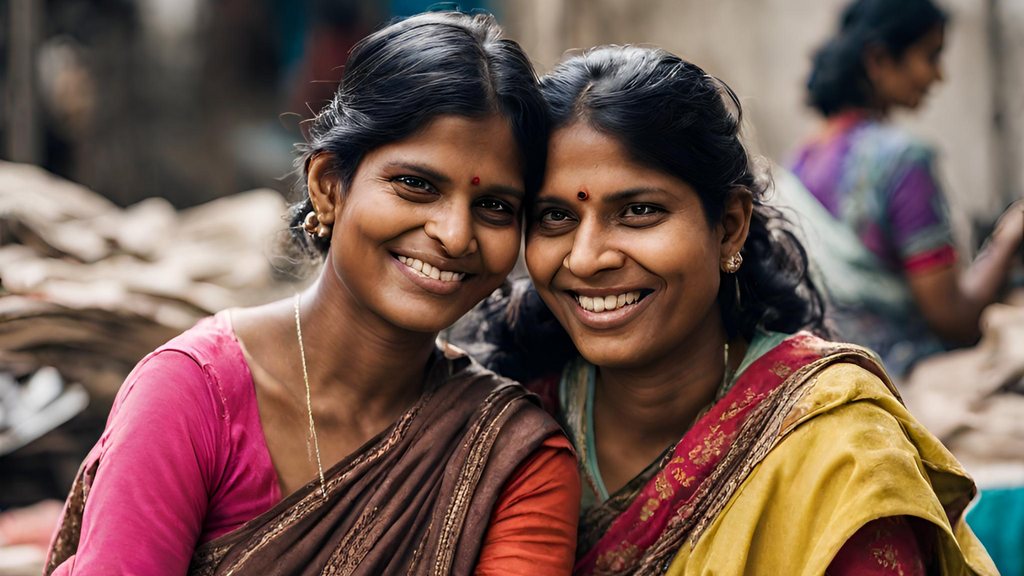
(670, 327)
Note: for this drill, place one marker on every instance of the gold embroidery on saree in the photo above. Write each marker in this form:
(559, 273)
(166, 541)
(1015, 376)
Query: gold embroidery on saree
(354, 546)
(482, 442)
(618, 559)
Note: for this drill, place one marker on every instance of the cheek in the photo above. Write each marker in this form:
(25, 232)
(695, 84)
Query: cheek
(372, 215)
(676, 254)
(499, 249)
(544, 256)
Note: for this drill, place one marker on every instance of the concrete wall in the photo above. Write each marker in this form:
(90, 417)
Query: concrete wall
(762, 49)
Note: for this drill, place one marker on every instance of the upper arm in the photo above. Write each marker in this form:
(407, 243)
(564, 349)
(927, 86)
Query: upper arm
(156, 466)
(917, 214)
(533, 526)
(887, 546)
(922, 239)
(938, 296)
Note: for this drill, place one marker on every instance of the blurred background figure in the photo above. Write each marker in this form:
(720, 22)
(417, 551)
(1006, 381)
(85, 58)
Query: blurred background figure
(885, 248)
(895, 283)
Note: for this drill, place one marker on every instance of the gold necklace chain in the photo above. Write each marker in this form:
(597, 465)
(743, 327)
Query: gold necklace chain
(309, 404)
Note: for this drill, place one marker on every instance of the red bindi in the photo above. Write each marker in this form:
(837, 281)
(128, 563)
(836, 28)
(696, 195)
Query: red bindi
(582, 195)
(476, 180)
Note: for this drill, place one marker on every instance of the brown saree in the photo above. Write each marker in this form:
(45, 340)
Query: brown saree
(417, 499)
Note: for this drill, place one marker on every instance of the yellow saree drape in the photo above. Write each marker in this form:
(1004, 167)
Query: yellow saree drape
(849, 453)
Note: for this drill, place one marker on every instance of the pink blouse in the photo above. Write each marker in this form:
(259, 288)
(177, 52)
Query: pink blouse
(183, 460)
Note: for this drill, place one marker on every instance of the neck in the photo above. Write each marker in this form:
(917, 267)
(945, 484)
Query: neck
(656, 403)
(875, 111)
(355, 355)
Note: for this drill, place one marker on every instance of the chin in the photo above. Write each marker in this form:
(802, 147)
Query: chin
(419, 317)
(613, 353)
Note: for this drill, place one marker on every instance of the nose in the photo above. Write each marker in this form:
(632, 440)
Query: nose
(591, 252)
(452, 227)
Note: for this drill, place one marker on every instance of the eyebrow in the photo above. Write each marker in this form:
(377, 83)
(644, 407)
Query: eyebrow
(630, 193)
(551, 200)
(428, 172)
(507, 190)
(610, 199)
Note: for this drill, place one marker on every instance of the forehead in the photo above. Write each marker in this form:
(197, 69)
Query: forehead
(933, 40)
(580, 156)
(460, 144)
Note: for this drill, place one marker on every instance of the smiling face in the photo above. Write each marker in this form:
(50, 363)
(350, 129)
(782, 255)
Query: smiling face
(632, 270)
(905, 81)
(430, 224)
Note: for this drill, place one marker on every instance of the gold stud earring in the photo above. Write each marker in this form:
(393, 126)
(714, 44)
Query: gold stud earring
(323, 231)
(311, 223)
(732, 265)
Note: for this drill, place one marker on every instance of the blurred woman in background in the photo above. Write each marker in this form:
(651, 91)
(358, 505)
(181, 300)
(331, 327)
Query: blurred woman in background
(219, 455)
(891, 266)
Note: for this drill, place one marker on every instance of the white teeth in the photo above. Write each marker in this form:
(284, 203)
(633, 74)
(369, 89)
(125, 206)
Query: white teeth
(428, 271)
(609, 302)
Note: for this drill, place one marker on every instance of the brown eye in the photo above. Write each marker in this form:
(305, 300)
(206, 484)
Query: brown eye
(555, 219)
(495, 211)
(642, 210)
(495, 205)
(554, 216)
(415, 184)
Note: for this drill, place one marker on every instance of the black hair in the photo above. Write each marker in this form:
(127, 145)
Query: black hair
(674, 117)
(407, 73)
(838, 78)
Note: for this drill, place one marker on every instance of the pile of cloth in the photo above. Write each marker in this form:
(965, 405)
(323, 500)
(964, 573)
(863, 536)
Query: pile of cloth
(87, 289)
(973, 399)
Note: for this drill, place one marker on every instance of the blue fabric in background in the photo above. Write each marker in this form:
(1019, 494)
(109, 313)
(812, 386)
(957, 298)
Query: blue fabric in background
(998, 521)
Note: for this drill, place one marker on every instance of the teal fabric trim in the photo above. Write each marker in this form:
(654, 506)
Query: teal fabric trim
(763, 342)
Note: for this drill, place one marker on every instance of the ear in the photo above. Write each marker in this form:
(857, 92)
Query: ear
(324, 188)
(736, 222)
(877, 61)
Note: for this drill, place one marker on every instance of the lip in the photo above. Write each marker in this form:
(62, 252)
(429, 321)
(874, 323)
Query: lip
(607, 320)
(437, 287)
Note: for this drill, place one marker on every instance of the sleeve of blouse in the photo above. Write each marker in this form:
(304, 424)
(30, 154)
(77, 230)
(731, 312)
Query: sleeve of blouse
(145, 508)
(883, 547)
(918, 218)
(533, 526)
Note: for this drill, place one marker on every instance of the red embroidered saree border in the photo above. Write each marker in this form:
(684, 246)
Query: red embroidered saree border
(707, 465)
